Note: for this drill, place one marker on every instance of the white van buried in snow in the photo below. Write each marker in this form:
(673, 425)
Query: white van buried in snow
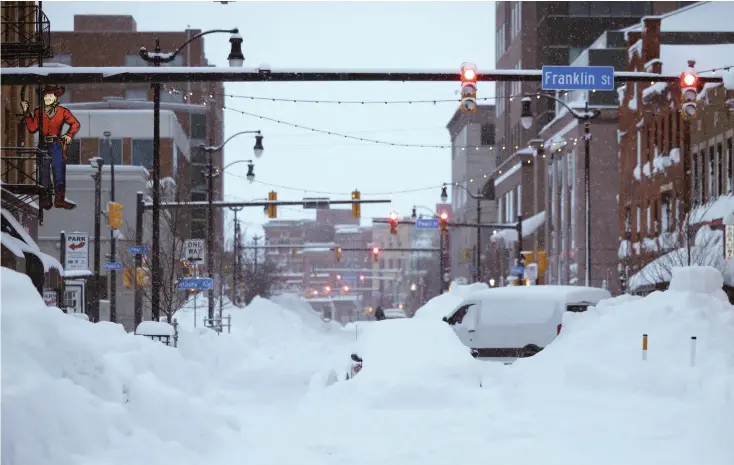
(511, 322)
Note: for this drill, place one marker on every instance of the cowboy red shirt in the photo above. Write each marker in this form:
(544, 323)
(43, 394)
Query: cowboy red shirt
(53, 125)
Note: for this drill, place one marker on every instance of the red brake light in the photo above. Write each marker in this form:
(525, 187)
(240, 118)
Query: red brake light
(559, 329)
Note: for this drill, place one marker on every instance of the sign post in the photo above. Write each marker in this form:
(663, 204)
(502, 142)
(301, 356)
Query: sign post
(76, 251)
(194, 250)
(578, 78)
(729, 242)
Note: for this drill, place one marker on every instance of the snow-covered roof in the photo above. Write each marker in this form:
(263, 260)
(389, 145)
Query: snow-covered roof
(699, 17)
(154, 328)
(26, 244)
(529, 226)
(347, 229)
(568, 294)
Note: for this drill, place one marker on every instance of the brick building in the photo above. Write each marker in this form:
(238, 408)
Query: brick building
(25, 36)
(672, 169)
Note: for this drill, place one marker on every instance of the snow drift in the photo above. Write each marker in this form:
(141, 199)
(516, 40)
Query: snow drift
(442, 305)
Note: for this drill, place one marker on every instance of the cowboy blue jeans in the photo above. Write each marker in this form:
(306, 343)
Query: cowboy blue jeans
(58, 166)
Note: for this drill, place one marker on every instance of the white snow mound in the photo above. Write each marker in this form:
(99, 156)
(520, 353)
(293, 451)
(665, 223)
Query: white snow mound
(442, 305)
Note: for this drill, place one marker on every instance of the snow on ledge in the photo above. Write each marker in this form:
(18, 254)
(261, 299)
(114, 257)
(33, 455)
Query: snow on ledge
(154, 328)
(529, 226)
(27, 245)
(73, 274)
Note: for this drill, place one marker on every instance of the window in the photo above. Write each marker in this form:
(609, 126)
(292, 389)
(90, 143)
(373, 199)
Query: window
(670, 131)
(696, 179)
(666, 212)
(198, 229)
(730, 165)
(111, 149)
(621, 9)
(649, 220)
(198, 126)
(198, 213)
(198, 156)
(61, 58)
(639, 219)
(702, 175)
(500, 217)
(627, 220)
(578, 9)
(74, 152)
(712, 175)
(134, 60)
(487, 134)
(136, 94)
(639, 149)
(641, 8)
(143, 153)
(458, 316)
(719, 169)
(198, 196)
(519, 199)
(574, 53)
(172, 97)
(600, 9)
(178, 61)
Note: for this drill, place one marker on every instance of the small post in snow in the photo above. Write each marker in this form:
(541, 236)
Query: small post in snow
(356, 331)
(693, 351)
(644, 347)
(175, 332)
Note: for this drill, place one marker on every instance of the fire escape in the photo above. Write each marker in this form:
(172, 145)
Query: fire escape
(25, 40)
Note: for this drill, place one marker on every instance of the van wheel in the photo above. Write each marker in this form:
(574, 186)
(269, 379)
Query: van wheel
(529, 350)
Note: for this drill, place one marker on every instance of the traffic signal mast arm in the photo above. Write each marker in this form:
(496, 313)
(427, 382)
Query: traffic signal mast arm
(458, 225)
(144, 74)
(371, 249)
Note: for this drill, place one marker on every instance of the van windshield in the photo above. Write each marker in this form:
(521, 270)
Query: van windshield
(578, 308)
(458, 316)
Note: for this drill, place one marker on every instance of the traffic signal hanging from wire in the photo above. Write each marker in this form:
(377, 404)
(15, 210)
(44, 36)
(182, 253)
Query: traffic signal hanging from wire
(393, 220)
(443, 221)
(469, 75)
(689, 89)
(272, 209)
(376, 254)
(338, 254)
(356, 207)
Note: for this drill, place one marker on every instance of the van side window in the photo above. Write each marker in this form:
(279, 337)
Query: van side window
(459, 315)
(577, 308)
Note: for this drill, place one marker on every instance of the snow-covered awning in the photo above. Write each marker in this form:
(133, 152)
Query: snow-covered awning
(16, 240)
(529, 226)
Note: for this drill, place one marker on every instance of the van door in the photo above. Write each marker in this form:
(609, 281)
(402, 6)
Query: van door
(464, 322)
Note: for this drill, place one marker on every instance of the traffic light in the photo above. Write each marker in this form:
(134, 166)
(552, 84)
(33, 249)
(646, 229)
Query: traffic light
(469, 75)
(272, 209)
(114, 215)
(376, 254)
(294, 251)
(689, 89)
(338, 254)
(356, 207)
(393, 223)
(465, 252)
(444, 222)
(187, 271)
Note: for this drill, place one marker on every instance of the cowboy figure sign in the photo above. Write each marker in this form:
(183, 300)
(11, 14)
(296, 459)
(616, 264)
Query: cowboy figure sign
(54, 117)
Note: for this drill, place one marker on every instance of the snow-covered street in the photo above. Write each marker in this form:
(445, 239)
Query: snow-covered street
(76, 393)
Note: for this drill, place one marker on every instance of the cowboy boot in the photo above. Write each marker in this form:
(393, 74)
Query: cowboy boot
(62, 201)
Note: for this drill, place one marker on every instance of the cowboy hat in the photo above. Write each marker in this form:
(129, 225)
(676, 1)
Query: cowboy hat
(52, 89)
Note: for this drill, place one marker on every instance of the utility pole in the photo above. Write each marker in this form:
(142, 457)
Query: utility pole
(113, 234)
(255, 240)
(210, 229)
(237, 259)
(478, 258)
(97, 233)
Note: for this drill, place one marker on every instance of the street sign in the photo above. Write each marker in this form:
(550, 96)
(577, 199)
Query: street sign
(578, 78)
(426, 223)
(729, 243)
(113, 266)
(200, 284)
(50, 297)
(194, 250)
(138, 249)
(76, 256)
(517, 270)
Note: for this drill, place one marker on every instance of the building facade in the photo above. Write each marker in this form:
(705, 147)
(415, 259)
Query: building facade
(673, 168)
(473, 158)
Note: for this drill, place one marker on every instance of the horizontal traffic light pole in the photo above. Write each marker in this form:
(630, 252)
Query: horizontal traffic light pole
(386, 249)
(364, 271)
(263, 203)
(456, 225)
(143, 74)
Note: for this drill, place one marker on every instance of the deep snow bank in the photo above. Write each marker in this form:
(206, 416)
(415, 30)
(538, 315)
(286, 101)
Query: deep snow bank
(73, 388)
(441, 305)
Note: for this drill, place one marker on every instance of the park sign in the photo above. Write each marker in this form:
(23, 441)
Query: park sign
(76, 251)
(578, 78)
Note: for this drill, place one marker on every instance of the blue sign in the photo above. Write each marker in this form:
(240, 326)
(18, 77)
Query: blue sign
(426, 223)
(517, 270)
(578, 78)
(200, 284)
(349, 277)
(112, 266)
(139, 249)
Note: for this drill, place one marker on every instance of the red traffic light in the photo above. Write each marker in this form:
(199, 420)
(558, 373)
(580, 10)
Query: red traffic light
(689, 79)
(469, 72)
(393, 216)
(444, 216)
(376, 250)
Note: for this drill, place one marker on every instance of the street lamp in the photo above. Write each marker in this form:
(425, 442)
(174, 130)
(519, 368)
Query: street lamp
(478, 197)
(586, 117)
(96, 163)
(210, 175)
(236, 59)
(113, 232)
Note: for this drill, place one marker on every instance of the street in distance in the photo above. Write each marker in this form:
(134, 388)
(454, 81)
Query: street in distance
(578, 78)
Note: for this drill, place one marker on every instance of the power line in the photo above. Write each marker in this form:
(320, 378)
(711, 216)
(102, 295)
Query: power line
(297, 189)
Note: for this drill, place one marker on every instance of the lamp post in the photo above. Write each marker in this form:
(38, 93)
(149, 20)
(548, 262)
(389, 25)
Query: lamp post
(97, 163)
(210, 175)
(586, 117)
(478, 197)
(236, 59)
(441, 262)
(113, 233)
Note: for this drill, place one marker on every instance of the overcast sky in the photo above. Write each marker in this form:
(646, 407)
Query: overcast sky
(370, 35)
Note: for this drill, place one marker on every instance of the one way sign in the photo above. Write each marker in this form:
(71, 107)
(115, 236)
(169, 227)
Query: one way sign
(194, 250)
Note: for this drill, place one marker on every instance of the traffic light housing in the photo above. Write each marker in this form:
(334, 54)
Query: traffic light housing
(338, 254)
(443, 221)
(465, 255)
(114, 215)
(294, 251)
(356, 207)
(393, 220)
(469, 75)
(376, 254)
(689, 89)
(272, 209)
